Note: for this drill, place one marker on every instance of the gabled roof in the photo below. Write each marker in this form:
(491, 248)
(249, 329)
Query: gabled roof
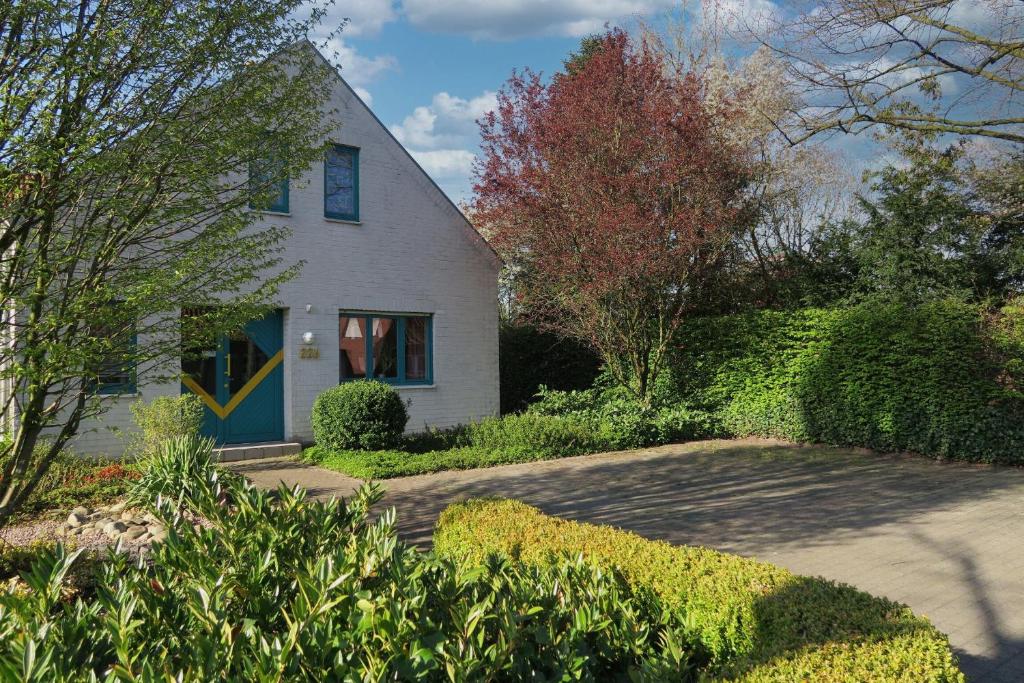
(471, 232)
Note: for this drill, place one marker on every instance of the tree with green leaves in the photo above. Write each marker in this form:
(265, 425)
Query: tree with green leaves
(937, 224)
(127, 131)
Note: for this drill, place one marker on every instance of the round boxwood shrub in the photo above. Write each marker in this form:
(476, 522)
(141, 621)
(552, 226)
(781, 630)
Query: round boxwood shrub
(364, 414)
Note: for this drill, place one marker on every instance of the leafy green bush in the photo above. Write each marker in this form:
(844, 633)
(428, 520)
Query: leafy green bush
(756, 621)
(937, 379)
(619, 421)
(178, 469)
(493, 441)
(279, 587)
(531, 359)
(165, 417)
(365, 414)
(537, 437)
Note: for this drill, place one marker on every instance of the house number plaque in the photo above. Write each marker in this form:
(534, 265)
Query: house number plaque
(309, 352)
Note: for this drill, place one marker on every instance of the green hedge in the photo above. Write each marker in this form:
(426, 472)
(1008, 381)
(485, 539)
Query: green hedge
(531, 359)
(943, 379)
(494, 441)
(758, 622)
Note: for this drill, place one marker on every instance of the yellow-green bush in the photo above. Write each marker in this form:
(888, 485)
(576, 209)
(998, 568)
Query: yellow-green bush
(757, 621)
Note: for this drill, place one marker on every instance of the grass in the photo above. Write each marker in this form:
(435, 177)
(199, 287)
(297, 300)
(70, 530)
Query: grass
(371, 465)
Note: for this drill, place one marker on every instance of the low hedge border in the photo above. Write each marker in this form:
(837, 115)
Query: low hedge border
(757, 621)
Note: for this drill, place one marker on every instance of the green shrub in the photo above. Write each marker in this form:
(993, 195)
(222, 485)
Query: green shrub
(537, 437)
(176, 471)
(165, 417)
(364, 414)
(531, 359)
(493, 441)
(937, 379)
(756, 621)
(619, 421)
(279, 587)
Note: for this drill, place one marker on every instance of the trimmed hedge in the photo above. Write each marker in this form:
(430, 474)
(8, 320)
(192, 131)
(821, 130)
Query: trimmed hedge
(758, 622)
(942, 379)
(531, 359)
(364, 414)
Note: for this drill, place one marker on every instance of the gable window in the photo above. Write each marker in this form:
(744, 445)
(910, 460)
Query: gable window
(115, 372)
(391, 348)
(341, 183)
(262, 173)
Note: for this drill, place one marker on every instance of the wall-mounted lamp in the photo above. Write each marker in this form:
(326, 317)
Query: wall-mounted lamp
(308, 338)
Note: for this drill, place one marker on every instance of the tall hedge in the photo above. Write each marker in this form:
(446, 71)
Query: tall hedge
(530, 358)
(942, 379)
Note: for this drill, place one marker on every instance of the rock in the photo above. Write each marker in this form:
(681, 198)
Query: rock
(76, 519)
(159, 538)
(82, 511)
(133, 533)
(127, 515)
(156, 529)
(119, 507)
(113, 529)
(144, 538)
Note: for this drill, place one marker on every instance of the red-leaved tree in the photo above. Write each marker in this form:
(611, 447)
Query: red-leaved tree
(610, 193)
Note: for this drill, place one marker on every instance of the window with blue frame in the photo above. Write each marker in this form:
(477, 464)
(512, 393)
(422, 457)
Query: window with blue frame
(267, 180)
(341, 183)
(115, 373)
(392, 348)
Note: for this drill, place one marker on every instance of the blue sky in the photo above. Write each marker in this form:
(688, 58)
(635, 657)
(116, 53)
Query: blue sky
(430, 68)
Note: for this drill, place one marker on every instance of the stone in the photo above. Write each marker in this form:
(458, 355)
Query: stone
(115, 528)
(156, 529)
(159, 537)
(82, 511)
(119, 507)
(134, 532)
(144, 538)
(127, 515)
(76, 519)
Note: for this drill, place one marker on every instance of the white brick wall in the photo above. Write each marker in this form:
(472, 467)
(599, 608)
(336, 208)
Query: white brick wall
(412, 252)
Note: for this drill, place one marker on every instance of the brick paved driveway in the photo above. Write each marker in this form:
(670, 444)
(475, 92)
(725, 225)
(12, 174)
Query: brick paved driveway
(945, 538)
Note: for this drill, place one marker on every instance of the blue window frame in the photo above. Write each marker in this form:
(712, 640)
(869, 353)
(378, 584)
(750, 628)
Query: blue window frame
(396, 349)
(341, 183)
(261, 180)
(116, 373)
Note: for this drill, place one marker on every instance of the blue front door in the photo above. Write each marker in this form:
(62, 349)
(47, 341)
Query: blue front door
(241, 383)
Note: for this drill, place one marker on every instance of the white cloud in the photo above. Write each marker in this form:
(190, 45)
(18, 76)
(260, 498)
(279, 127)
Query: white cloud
(364, 95)
(443, 137)
(362, 18)
(740, 15)
(358, 69)
(508, 19)
(447, 122)
(446, 164)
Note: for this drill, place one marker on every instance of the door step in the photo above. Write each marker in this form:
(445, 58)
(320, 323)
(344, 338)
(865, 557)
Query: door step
(257, 451)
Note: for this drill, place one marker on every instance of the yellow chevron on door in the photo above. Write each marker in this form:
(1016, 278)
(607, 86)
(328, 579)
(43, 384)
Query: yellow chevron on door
(223, 411)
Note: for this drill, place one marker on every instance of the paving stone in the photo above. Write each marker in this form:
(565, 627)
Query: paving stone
(941, 537)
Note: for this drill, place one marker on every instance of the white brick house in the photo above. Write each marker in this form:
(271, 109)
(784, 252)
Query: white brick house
(395, 279)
